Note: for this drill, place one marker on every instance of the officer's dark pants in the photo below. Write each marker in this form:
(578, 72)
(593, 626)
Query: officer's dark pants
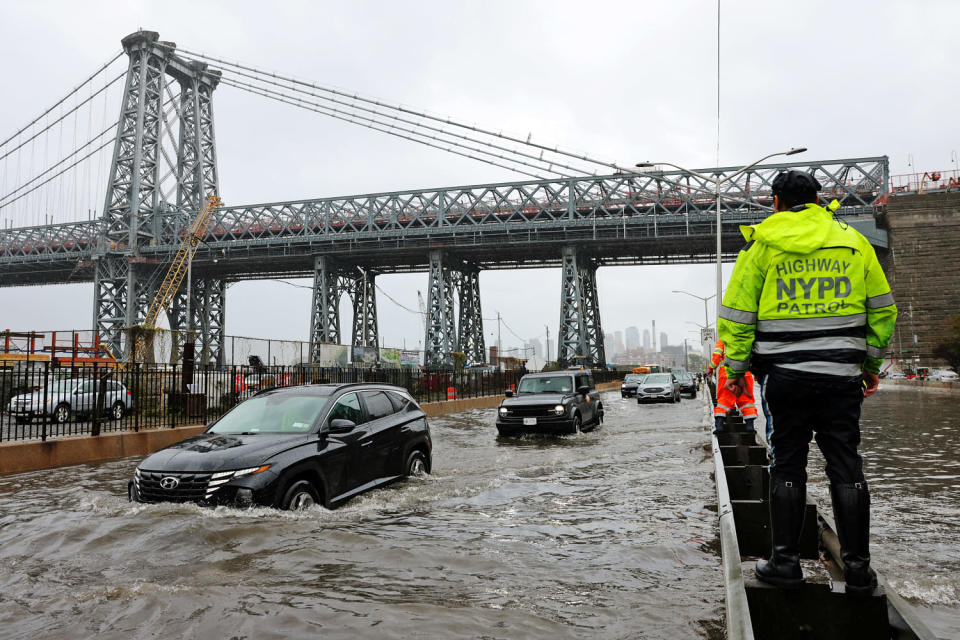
(832, 411)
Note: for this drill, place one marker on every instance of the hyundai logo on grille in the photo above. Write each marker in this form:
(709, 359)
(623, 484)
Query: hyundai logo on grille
(169, 483)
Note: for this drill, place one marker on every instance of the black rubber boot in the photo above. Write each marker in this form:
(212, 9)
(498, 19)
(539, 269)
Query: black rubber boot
(788, 502)
(851, 508)
(718, 424)
(750, 428)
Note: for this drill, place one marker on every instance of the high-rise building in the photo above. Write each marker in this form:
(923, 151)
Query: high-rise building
(632, 338)
(608, 346)
(646, 338)
(663, 340)
(618, 341)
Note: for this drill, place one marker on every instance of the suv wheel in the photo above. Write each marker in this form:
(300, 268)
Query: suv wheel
(577, 424)
(117, 410)
(300, 496)
(416, 464)
(62, 413)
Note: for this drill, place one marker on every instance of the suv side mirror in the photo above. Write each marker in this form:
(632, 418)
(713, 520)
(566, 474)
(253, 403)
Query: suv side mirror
(508, 393)
(583, 390)
(341, 425)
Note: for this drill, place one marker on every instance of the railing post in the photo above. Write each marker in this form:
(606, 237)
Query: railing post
(43, 417)
(97, 399)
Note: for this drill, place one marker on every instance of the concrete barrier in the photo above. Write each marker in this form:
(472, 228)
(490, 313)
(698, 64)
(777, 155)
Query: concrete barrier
(19, 457)
(32, 455)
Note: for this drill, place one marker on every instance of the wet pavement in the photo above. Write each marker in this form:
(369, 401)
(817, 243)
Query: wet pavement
(607, 534)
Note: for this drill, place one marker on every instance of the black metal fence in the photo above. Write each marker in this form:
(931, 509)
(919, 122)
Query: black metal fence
(40, 400)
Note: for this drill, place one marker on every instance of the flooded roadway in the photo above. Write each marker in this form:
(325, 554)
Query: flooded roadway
(607, 534)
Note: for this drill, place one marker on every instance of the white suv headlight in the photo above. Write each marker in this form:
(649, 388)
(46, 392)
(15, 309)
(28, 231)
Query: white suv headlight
(504, 411)
(559, 410)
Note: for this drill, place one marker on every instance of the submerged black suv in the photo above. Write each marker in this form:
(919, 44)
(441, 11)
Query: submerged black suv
(554, 402)
(292, 447)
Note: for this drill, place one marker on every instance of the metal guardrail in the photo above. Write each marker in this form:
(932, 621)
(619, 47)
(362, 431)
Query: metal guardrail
(739, 626)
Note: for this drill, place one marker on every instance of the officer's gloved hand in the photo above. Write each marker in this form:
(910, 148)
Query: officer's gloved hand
(870, 383)
(749, 422)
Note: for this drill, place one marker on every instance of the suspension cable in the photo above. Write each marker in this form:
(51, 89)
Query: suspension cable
(63, 99)
(58, 120)
(60, 162)
(351, 120)
(57, 175)
(540, 158)
(401, 108)
(388, 123)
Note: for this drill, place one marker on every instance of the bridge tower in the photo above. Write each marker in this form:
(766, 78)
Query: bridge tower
(136, 213)
(581, 335)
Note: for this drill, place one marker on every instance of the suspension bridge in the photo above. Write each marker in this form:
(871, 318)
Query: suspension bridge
(93, 195)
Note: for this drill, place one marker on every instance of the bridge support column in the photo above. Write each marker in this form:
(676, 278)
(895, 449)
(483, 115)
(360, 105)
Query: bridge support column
(208, 308)
(364, 296)
(470, 335)
(325, 314)
(112, 281)
(440, 339)
(580, 339)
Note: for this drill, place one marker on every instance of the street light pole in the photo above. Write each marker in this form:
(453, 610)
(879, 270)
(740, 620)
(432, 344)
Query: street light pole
(718, 182)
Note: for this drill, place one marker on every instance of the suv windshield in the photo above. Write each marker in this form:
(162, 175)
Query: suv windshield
(546, 384)
(273, 413)
(633, 377)
(658, 378)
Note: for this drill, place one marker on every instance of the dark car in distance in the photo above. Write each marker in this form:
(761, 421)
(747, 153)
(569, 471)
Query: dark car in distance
(628, 388)
(293, 447)
(552, 402)
(688, 384)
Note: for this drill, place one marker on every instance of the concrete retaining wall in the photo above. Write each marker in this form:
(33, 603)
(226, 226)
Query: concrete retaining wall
(924, 236)
(20, 457)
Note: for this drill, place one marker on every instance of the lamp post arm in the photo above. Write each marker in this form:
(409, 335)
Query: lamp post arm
(685, 170)
(750, 166)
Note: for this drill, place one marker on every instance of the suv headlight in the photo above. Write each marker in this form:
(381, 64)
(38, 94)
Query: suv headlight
(559, 410)
(504, 411)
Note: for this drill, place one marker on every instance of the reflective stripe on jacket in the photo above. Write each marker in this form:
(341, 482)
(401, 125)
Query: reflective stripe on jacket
(808, 295)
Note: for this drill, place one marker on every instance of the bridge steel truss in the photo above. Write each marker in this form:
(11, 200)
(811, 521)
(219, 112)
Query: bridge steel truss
(135, 214)
(578, 224)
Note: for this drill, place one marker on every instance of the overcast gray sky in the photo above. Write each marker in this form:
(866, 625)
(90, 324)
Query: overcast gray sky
(627, 81)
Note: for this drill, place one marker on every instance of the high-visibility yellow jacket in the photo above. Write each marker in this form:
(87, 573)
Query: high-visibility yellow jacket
(807, 295)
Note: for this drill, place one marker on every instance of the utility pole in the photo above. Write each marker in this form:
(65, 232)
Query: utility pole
(499, 343)
(548, 341)
(685, 366)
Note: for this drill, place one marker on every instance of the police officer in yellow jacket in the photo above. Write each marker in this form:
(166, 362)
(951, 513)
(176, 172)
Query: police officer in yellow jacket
(809, 311)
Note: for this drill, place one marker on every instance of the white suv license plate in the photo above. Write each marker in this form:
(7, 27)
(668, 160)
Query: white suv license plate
(530, 422)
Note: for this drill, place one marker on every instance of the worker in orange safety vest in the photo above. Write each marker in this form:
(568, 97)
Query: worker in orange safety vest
(725, 398)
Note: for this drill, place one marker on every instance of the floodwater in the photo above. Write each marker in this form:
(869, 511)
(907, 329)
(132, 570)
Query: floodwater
(608, 534)
(911, 451)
